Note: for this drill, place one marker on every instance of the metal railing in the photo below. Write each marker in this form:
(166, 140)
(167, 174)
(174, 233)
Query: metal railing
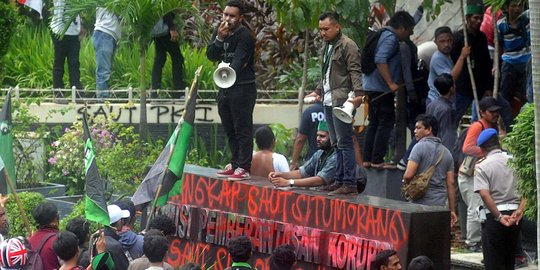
(131, 95)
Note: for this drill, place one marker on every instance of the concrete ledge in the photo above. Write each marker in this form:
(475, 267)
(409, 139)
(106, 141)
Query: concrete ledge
(384, 183)
(462, 261)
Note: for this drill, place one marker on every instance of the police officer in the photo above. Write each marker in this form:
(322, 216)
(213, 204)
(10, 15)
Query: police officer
(496, 183)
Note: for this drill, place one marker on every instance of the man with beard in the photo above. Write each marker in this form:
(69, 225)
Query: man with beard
(4, 224)
(318, 170)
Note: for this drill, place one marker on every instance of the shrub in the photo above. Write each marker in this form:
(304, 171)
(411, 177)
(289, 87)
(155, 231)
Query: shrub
(29, 201)
(520, 142)
(8, 21)
(121, 156)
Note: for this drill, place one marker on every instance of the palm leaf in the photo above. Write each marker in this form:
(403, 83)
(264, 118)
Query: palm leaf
(495, 4)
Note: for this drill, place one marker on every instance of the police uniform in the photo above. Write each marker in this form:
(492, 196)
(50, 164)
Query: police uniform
(498, 241)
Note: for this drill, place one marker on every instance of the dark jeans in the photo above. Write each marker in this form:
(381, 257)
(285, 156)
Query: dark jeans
(163, 46)
(381, 121)
(67, 47)
(514, 81)
(235, 108)
(341, 136)
(499, 243)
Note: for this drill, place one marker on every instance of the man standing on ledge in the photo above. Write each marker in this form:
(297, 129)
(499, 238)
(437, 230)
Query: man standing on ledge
(233, 43)
(341, 74)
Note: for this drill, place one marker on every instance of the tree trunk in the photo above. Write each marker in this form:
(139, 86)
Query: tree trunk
(535, 46)
(302, 90)
(143, 129)
(496, 58)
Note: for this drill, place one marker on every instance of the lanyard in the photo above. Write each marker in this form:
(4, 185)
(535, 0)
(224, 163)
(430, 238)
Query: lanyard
(326, 59)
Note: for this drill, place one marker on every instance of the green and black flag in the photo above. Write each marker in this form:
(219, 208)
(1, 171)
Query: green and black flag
(6, 145)
(95, 205)
(171, 160)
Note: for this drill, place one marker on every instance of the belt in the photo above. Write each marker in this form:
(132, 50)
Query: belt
(505, 207)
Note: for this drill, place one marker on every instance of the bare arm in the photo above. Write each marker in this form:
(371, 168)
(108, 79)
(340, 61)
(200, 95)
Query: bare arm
(410, 172)
(451, 196)
(300, 182)
(298, 145)
(458, 66)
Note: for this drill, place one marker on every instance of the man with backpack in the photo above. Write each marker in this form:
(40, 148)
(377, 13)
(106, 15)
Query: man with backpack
(489, 112)
(381, 65)
(48, 220)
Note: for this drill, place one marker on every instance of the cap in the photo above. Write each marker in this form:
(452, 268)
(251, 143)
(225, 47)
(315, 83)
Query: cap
(485, 135)
(474, 9)
(13, 254)
(488, 104)
(115, 213)
(323, 126)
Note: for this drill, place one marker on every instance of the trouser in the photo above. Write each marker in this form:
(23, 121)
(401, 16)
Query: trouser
(104, 46)
(66, 48)
(473, 201)
(341, 136)
(163, 46)
(381, 121)
(499, 243)
(514, 81)
(235, 108)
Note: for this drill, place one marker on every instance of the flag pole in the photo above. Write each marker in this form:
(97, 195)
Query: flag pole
(171, 150)
(19, 204)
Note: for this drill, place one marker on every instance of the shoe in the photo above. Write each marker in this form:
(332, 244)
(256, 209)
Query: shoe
(239, 174)
(402, 166)
(521, 261)
(225, 173)
(360, 187)
(366, 164)
(475, 247)
(331, 187)
(344, 190)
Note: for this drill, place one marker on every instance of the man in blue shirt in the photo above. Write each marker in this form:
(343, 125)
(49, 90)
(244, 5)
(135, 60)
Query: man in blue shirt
(318, 170)
(382, 80)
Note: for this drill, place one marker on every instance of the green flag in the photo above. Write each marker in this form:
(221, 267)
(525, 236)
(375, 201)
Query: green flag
(95, 206)
(6, 144)
(175, 152)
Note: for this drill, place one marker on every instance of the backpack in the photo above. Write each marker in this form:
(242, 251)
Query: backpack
(34, 260)
(367, 60)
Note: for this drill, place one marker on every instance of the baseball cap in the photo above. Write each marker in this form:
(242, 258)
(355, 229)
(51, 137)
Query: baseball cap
(115, 213)
(488, 104)
(485, 135)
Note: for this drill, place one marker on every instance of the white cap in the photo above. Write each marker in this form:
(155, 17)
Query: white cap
(115, 213)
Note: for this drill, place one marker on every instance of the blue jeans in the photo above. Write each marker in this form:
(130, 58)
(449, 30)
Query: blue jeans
(342, 134)
(462, 104)
(104, 46)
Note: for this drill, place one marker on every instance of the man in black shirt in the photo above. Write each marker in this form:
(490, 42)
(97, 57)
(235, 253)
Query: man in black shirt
(233, 43)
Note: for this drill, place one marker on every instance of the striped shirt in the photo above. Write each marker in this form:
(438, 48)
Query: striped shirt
(516, 41)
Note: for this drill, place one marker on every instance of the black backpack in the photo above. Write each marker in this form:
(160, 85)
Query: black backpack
(368, 51)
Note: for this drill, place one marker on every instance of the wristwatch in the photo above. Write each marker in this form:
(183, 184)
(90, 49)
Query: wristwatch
(498, 218)
(291, 182)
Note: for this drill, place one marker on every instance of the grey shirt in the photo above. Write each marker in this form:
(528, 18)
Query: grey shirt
(441, 109)
(317, 165)
(425, 153)
(493, 174)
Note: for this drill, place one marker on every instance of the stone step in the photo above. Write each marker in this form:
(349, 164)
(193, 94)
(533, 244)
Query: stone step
(467, 261)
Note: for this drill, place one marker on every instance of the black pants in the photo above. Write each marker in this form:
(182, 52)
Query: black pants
(499, 243)
(381, 122)
(235, 108)
(163, 46)
(67, 47)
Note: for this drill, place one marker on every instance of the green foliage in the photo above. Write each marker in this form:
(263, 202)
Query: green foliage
(33, 68)
(8, 22)
(433, 8)
(78, 211)
(214, 155)
(520, 142)
(121, 156)
(284, 139)
(29, 201)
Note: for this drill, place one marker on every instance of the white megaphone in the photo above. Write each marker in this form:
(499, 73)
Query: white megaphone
(344, 112)
(224, 76)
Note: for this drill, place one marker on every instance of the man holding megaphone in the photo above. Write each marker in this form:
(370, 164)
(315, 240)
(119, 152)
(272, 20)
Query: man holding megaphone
(233, 45)
(341, 75)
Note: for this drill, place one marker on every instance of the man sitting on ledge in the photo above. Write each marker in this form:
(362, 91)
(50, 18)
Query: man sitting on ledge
(318, 170)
